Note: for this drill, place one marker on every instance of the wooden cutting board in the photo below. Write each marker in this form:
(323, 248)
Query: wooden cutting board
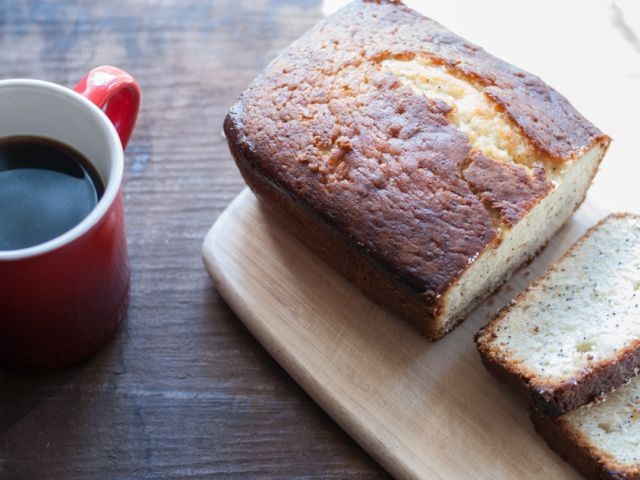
(423, 410)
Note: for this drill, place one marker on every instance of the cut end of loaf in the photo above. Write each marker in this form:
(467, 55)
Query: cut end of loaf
(522, 241)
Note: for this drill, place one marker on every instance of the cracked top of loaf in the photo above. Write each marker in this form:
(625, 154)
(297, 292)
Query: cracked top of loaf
(417, 146)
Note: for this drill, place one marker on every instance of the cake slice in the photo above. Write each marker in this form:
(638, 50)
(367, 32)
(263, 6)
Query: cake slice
(602, 440)
(574, 334)
(418, 165)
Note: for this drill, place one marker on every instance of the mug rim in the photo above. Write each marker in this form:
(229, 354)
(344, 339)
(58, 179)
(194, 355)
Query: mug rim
(112, 184)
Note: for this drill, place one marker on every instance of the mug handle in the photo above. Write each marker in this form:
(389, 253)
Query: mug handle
(116, 93)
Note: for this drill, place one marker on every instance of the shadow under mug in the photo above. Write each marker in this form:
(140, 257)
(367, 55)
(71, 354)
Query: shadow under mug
(61, 300)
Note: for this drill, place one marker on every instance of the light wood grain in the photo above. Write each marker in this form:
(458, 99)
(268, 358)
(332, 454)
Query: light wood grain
(423, 410)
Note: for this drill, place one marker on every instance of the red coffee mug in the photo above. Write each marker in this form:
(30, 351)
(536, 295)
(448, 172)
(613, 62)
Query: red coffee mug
(60, 301)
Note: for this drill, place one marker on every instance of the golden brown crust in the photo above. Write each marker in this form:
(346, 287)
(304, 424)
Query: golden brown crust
(412, 214)
(554, 399)
(380, 165)
(508, 189)
(578, 451)
(337, 251)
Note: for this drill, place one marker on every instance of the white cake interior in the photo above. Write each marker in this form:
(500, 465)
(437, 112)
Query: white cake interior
(584, 312)
(523, 240)
(612, 426)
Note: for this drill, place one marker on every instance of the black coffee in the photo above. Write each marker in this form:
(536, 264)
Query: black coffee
(46, 189)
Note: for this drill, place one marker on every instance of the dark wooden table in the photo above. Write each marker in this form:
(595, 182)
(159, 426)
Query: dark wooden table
(183, 391)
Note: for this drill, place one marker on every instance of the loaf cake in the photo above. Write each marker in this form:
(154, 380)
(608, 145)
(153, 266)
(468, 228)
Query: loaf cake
(602, 440)
(574, 334)
(421, 167)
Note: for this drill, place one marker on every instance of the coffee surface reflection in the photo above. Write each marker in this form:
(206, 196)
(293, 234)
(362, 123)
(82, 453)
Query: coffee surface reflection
(46, 189)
